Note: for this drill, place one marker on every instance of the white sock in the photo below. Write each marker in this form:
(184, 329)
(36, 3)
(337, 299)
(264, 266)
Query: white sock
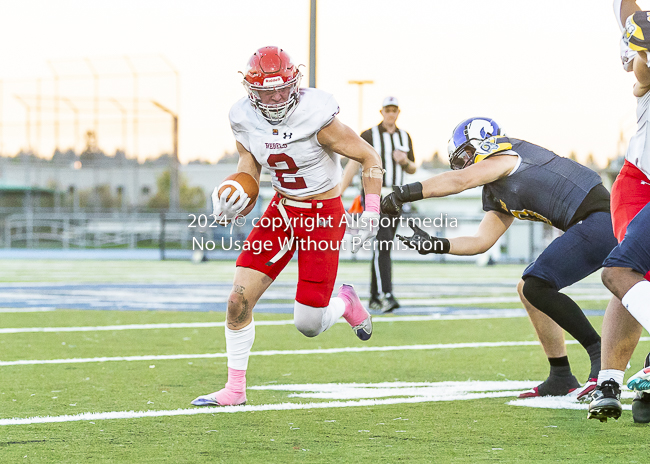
(333, 312)
(609, 374)
(312, 321)
(637, 302)
(238, 346)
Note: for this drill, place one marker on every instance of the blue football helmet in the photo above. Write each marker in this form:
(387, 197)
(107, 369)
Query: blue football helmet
(470, 132)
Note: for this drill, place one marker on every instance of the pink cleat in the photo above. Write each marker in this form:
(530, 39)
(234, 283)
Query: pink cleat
(234, 394)
(356, 315)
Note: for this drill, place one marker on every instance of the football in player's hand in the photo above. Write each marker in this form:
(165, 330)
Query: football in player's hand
(242, 181)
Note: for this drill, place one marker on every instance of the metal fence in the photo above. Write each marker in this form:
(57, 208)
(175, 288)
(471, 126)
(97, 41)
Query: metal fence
(49, 229)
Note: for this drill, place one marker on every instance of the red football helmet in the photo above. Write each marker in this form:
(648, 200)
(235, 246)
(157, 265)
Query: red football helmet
(272, 82)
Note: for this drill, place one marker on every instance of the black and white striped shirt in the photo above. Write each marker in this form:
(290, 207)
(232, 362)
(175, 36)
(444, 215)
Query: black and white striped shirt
(385, 144)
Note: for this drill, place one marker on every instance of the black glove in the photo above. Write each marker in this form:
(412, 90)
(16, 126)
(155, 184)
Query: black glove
(423, 242)
(392, 203)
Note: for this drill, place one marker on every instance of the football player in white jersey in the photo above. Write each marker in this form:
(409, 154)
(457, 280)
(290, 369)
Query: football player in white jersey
(295, 134)
(627, 268)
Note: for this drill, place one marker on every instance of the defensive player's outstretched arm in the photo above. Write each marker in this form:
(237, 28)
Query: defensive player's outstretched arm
(451, 182)
(493, 226)
(247, 163)
(339, 138)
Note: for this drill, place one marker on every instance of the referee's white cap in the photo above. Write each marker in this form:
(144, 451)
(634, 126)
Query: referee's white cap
(390, 101)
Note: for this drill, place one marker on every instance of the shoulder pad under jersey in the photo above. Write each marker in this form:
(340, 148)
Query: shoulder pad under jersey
(492, 146)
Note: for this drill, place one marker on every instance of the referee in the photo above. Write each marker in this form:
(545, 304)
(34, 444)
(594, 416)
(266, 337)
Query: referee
(396, 150)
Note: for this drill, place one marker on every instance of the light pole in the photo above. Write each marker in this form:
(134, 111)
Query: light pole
(361, 84)
(123, 111)
(27, 122)
(134, 72)
(96, 105)
(312, 44)
(174, 194)
(56, 104)
(75, 110)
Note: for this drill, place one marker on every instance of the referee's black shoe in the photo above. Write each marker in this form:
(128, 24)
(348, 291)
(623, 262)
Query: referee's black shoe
(606, 401)
(375, 303)
(390, 303)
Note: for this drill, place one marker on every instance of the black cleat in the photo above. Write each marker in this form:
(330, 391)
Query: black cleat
(553, 386)
(641, 403)
(375, 304)
(391, 304)
(641, 408)
(606, 402)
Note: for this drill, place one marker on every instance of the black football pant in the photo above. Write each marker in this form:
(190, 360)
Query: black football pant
(381, 264)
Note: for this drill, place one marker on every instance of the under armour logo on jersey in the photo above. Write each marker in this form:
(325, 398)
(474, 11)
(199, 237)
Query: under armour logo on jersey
(287, 136)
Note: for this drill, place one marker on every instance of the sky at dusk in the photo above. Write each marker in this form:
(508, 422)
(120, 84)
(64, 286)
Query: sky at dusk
(548, 72)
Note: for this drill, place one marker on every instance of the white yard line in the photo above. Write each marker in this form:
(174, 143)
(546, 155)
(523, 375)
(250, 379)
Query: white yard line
(563, 402)
(488, 314)
(358, 395)
(348, 395)
(361, 349)
(489, 300)
(231, 409)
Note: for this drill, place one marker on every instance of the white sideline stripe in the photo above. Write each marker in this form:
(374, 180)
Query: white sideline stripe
(270, 353)
(495, 299)
(27, 310)
(367, 349)
(232, 409)
(193, 325)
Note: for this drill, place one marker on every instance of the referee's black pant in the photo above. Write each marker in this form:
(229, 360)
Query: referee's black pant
(381, 264)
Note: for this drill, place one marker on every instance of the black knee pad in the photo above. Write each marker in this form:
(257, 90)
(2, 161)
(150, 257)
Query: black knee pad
(536, 290)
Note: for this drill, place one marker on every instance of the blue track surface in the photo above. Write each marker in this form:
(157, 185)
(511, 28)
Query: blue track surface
(186, 297)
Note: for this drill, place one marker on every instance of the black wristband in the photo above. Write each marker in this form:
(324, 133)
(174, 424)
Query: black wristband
(440, 245)
(408, 192)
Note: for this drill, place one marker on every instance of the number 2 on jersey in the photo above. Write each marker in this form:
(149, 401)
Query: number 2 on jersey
(294, 183)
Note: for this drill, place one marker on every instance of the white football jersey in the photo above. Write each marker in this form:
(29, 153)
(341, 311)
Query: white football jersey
(301, 167)
(638, 151)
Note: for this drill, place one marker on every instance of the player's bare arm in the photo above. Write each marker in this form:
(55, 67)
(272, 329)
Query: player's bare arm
(642, 74)
(348, 174)
(339, 138)
(227, 206)
(492, 227)
(247, 163)
(452, 182)
(628, 8)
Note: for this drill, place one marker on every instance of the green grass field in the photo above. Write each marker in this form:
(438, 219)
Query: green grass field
(392, 425)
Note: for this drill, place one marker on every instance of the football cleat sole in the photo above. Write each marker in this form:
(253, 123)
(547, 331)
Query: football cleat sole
(602, 413)
(211, 400)
(364, 330)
